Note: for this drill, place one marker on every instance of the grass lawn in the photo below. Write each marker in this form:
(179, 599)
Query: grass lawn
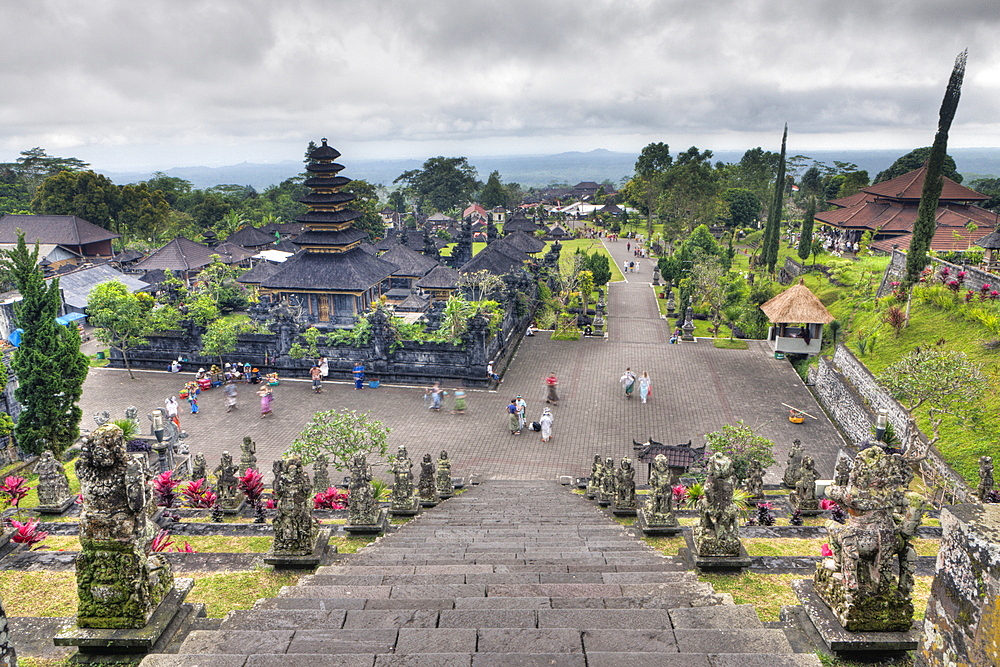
(588, 246)
(730, 344)
(209, 543)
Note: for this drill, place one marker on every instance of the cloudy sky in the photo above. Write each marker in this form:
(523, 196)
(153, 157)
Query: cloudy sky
(133, 84)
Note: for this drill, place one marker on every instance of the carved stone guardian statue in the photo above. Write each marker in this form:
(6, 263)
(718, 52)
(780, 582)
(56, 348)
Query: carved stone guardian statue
(607, 493)
(794, 463)
(594, 481)
(803, 498)
(625, 488)
(717, 532)
(321, 474)
(118, 582)
(294, 529)
(404, 497)
(54, 495)
(199, 468)
(226, 479)
(426, 487)
(986, 481)
(754, 483)
(248, 455)
(658, 517)
(445, 487)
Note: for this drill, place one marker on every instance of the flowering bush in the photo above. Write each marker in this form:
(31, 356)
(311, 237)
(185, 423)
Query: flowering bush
(331, 499)
(796, 518)
(27, 533)
(252, 486)
(164, 486)
(162, 542)
(680, 493)
(742, 446)
(827, 504)
(763, 516)
(14, 490)
(198, 495)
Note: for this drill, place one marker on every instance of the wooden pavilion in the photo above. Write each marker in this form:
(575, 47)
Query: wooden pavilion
(797, 317)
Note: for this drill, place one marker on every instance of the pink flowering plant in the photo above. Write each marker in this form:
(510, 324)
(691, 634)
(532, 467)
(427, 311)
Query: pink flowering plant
(28, 533)
(197, 495)
(13, 490)
(331, 499)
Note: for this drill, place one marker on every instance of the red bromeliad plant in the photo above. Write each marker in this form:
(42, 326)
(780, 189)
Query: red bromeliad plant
(14, 490)
(252, 486)
(162, 542)
(198, 495)
(164, 486)
(331, 499)
(27, 533)
(680, 494)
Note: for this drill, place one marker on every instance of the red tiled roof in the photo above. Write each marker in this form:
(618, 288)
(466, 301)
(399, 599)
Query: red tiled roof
(909, 186)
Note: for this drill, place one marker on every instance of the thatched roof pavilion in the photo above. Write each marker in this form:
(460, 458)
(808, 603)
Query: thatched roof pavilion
(799, 307)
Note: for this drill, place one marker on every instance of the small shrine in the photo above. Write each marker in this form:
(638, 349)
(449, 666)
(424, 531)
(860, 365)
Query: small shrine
(680, 458)
(797, 317)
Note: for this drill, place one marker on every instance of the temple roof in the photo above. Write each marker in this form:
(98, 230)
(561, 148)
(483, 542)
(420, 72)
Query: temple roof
(410, 263)
(351, 271)
(250, 237)
(328, 217)
(497, 258)
(910, 185)
(259, 273)
(57, 229)
(181, 254)
(796, 304)
(331, 237)
(678, 456)
(230, 253)
(440, 277)
(324, 152)
(524, 242)
(991, 241)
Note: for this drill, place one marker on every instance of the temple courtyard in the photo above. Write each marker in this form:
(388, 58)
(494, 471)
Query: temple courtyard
(696, 389)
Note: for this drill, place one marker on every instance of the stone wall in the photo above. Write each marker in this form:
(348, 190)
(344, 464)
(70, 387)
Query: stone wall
(852, 396)
(962, 621)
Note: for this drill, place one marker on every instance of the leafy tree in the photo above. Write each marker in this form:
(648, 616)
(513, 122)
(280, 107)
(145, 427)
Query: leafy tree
(599, 265)
(923, 227)
(991, 187)
(397, 201)
(221, 336)
(742, 446)
(443, 183)
(915, 159)
(218, 281)
(480, 284)
(645, 188)
(690, 192)
(744, 206)
(772, 231)
(48, 364)
(806, 238)
(35, 165)
(811, 182)
(945, 382)
(120, 318)
(493, 193)
(86, 194)
(585, 281)
(171, 187)
(202, 310)
(340, 435)
(366, 203)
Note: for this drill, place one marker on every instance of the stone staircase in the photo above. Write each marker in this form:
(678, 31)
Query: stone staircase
(508, 573)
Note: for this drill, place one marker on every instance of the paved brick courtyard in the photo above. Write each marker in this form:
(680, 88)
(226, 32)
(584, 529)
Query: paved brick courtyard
(696, 389)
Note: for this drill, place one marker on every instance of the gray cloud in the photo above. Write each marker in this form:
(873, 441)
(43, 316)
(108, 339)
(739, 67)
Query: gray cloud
(224, 81)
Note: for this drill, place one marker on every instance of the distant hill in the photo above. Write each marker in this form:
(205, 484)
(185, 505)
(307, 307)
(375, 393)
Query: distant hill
(539, 170)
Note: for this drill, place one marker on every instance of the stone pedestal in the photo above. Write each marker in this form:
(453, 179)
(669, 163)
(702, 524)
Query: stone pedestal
(623, 511)
(377, 528)
(410, 509)
(309, 560)
(844, 643)
(657, 525)
(604, 500)
(56, 509)
(230, 509)
(806, 507)
(870, 612)
(732, 564)
(153, 636)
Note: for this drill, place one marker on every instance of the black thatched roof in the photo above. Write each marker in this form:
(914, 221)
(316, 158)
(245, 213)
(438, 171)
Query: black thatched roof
(283, 228)
(352, 271)
(368, 248)
(557, 232)
(440, 277)
(250, 237)
(324, 152)
(181, 254)
(127, 256)
(520, 224)
(58, 229)
(259, 273)
(678, 456)
(414, 303)
(991, 241)
(330, 238)
(524, 242)
(230, 253)
(497, 258)
(328, 217)
(410, 262)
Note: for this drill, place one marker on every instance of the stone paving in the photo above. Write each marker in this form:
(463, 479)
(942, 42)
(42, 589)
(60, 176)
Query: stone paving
(696, 388)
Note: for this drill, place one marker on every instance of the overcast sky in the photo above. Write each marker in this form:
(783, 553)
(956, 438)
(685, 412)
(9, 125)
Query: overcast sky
(133, 84)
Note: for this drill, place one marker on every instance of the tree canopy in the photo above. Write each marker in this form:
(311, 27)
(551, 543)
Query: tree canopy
(443, 183)
(340, 435)
(915, 159)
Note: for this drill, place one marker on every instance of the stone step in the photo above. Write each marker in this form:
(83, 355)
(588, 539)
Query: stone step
(524, 577)
(539, 602)
(672, 589)
(667, 565)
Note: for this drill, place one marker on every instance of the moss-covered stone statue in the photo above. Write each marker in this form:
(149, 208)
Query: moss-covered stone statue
(199, 467)
(625, 487)
(294, 529)
(404, 498)
(226, 479)
(607, 493)
(248, 455)
(363, 508)
(53, 485)
(754, 482)
(868, 582)
(594, 481)
(119, 583)
(445, 487)
(717, 532)
(803, 498)
(426, 488)
(659, 509)
(983, 490)
(794, 463)
(321, 474)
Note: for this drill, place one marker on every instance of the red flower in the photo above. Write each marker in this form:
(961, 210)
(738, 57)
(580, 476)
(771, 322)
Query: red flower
(825, 551)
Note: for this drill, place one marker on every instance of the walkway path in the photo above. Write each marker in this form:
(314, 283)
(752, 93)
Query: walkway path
(696, 389)
(515, 573)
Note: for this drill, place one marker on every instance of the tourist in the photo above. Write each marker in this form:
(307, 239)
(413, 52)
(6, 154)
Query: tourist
(459, 408)
(172, 408)
(644, 386)
(490, 374)
(266, 396)
(545, 421)
(627, 381)
(359, 376)
(230, 391)
(246, 372)
(513, 419)
(522, 410)
(436, 394)
(324, 368)
(531, 330)
(175, 366)
(628, 246)
(317, 379)
(192, 396)
(550, 383)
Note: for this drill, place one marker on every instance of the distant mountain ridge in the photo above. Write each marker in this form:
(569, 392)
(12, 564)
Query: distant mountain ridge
(538, 170)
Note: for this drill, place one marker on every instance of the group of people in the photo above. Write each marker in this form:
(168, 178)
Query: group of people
(517, 411)
(629, 381)
(630, 266)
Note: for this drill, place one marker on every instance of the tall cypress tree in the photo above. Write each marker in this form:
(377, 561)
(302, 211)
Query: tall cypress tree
(805, 240)
(49, 366)
(772, 231)
(923, 228)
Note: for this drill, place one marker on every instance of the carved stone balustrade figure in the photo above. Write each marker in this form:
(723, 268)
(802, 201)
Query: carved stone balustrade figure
(794, 463)
(363, 508)
(321, 474)
(986, 481)
(607, 494)
(226, 480)
(53, 485)
(803, 498)
(404, 497)
(199, 469)
(868, 581)
(294, 529)
(119, 582)
(625, 487)
(248, 455)
(596, 473)
(717, 532)
(445, 487)
(754, 483)
(426, 487)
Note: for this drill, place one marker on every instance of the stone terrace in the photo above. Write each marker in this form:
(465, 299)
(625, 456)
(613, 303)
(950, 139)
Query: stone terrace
(696, 389)
(509, 573)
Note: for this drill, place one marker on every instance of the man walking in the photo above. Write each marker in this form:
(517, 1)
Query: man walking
(230, 391)
(317, 379)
